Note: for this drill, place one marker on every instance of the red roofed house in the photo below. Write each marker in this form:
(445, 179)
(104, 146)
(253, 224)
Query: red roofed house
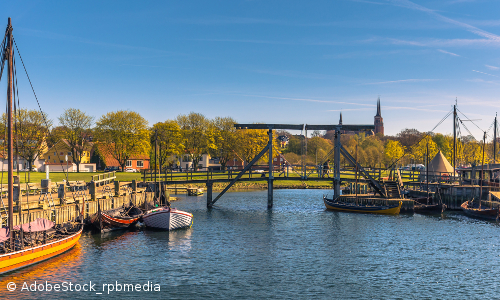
(106, 159)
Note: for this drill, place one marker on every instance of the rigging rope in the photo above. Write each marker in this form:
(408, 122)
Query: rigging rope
(423, 137)
(39, 107)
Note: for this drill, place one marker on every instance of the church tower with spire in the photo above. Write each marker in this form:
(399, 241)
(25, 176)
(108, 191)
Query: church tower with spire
(379, 121)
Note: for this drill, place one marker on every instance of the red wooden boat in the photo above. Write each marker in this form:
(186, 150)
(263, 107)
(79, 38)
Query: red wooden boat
(118, 218)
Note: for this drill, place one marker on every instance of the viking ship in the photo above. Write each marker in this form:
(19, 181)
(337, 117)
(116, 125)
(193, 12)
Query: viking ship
(114, 219)
(41, 239)
(369, 209)
(478, 212)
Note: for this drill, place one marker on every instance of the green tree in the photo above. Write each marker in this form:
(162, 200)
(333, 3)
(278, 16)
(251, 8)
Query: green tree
(170, 142)
(393, 151)
(125, 133)
(77, 125)
(225, 140)
(251, 142)
(56, 134)
(318, 148)
(199, 136)
(32, 127)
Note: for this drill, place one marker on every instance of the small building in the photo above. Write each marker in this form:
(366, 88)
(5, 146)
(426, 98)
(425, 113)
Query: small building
(59, 158)
(206, 161)
(106, 159)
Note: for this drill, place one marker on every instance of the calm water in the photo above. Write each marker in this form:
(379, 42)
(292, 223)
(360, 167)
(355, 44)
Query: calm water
(296, 250)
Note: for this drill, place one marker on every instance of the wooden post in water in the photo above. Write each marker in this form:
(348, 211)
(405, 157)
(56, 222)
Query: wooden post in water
(209, 192)
(117, 188)
(92, 190)
(271, 177)
(134, 186)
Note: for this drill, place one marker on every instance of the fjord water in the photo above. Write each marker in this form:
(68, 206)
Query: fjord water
(240, 249)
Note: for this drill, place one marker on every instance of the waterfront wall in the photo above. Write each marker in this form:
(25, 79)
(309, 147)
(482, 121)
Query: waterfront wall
(67, 212)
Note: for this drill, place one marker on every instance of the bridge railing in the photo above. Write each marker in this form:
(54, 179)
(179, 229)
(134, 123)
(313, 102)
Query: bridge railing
(289, 171)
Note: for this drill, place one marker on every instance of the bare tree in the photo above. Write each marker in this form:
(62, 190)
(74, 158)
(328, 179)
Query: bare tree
(76, 125)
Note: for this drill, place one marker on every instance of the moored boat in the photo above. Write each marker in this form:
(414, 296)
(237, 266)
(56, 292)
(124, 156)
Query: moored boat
(489, 213)
(428, 208)
(167, 218)
(39, 240)
(114, 219)
(371, 209)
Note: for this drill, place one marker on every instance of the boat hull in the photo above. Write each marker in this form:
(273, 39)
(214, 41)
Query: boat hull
(107, 221)
(429, 208)
(490, 214)
(167, 219)
(347, 207)
(29, 256)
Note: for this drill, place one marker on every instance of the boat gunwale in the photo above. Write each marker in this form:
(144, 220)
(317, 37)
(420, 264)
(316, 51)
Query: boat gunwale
(79, 232)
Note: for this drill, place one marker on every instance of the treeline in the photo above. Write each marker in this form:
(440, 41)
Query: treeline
(127, 134)
(407, 147)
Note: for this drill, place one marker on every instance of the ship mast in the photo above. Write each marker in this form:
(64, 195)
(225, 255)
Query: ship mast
(495, 141)
(10, 190)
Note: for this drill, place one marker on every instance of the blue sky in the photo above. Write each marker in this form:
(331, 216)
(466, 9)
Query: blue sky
(264, 61)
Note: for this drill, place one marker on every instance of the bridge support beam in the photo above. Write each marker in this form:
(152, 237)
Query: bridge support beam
(270, 193)
(271, 169)
(336, 164)
(209, 193)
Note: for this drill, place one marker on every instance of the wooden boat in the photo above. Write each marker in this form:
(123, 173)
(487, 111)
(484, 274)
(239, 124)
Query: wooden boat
(370, 209)
(115, 219)
(428, 208)
(422, 208)
(469, 209)
(30, 243)
(167, 218)
(45, 245)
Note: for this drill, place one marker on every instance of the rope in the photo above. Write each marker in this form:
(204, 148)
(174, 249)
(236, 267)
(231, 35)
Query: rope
(423, 137)
(39, 107)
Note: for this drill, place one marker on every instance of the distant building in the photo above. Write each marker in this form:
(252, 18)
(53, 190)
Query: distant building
(378, 120)
(283, 140)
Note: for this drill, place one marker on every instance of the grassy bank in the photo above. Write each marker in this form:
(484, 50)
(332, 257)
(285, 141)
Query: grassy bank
(36, 177)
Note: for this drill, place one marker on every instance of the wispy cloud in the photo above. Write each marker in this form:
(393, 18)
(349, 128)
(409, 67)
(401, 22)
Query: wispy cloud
(410, 5)
(76, 39)
(308, 100)
(402, 81)
(484, 73)
(446, 52)
(492, 67)
(495, 82)
(444, 42)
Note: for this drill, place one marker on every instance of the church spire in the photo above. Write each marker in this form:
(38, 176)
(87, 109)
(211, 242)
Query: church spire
(379, 114)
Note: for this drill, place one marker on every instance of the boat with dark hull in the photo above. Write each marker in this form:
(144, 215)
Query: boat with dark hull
(422, 206)
(367, 209)
(115, 219)
(477, 212)
(428, 208)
